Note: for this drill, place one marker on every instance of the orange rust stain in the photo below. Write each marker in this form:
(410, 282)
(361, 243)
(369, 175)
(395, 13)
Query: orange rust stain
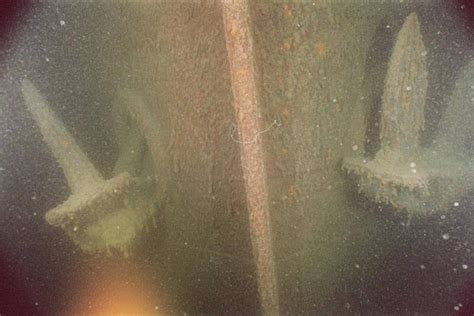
(292, 192)
(285, 114)
(285, 46)
(234, 32)
(200, 94)
(243, 73)
(329, 156)
(321, 48)
(287, 11)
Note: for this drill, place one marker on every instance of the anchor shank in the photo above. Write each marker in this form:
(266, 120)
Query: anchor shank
(77, 168)
(403, 101)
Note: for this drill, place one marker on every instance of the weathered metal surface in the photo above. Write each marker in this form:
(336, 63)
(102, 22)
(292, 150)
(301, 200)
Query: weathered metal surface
(101, 215)
(181, 64)
(394, 175)
(404, 97)
(403, 174)
(249, 125)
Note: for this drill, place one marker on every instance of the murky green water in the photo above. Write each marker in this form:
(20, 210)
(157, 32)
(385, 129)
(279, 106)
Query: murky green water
(124, 173)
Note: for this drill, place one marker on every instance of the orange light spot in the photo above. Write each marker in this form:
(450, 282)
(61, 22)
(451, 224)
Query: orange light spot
(116, 291)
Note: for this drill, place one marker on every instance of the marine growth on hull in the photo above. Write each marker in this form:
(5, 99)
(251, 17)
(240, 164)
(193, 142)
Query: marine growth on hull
(403, 174)
(101, 215)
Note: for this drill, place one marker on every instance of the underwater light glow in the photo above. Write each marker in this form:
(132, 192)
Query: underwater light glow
(117, 291)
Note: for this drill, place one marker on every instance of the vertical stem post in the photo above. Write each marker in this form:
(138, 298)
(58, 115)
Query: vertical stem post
(243, 79)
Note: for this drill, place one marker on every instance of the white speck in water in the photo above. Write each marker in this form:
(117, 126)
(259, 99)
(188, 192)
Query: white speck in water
(424, 53)
(446, 236)
(464, 266)
(443, 217)
(456, 308)
(422, 267)
(355, 147)
(409, 88)
(34, 214)
(62, 22)
(37, 303)
(357, 265)
(34, 197)
(412, 165)
(387, 26)
(47, 59)
(413, 170)
(456, 203)
(75, 228)
(334, 100)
